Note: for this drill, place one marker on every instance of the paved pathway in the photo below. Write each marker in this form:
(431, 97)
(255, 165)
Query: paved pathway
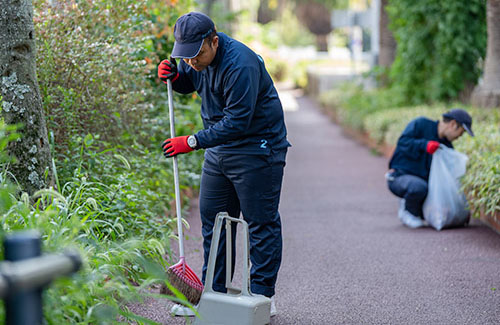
(347, 258)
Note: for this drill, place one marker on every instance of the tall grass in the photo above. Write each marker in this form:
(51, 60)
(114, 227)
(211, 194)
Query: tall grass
(120, 234)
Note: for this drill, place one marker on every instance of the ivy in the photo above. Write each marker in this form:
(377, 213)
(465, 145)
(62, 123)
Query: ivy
(440, 47)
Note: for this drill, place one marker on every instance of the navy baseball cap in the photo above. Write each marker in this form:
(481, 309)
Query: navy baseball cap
(462, 117)
(189, 31)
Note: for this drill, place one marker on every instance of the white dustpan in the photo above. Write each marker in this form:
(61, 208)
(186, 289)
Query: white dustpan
(237, 306)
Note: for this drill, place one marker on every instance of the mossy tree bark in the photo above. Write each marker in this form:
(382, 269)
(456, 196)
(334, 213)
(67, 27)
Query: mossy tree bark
(487, 94)
(21, 103)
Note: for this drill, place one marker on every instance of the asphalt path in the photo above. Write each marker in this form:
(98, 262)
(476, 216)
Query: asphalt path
(347, 259)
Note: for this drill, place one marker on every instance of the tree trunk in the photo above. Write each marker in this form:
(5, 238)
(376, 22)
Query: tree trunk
(387, 42)
(322, 43)
(21, 103)
(317, 18)
(265, 13)
(487, 94)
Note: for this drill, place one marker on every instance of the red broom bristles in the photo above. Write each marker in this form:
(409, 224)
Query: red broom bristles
(183, 271)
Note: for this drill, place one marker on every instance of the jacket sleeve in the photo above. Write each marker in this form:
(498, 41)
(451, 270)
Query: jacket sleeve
(240, 94)
(411, 142)
(183, 84)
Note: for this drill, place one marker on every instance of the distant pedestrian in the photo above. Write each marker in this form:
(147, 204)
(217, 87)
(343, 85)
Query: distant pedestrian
(410, 164)
(245, 140)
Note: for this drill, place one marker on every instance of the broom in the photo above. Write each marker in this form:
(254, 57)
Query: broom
(180, 275)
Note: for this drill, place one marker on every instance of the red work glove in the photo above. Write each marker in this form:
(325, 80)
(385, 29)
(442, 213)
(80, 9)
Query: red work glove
(174, 146)
(168, 70)
(432, 146)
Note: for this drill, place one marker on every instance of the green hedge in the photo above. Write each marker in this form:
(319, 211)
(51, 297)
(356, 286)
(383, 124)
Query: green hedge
(482, 181)
(387, 125)
(352, 104)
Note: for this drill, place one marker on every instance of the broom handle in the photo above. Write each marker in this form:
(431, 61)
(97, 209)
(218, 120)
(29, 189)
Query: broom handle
(176, 170)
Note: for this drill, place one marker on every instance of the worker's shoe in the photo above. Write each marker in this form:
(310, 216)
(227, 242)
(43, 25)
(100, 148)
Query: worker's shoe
(409, 219)
(181, 310)
(273, 307)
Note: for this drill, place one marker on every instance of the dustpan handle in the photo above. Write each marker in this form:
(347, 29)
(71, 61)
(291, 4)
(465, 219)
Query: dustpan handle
(214, 246)
(212, 256)
(176, 170)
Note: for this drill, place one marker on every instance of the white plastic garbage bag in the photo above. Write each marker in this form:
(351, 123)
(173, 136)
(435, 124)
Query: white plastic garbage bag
(446, 205)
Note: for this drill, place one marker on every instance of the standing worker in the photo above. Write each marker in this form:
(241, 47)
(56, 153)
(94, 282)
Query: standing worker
(410, 164)
(245, 140)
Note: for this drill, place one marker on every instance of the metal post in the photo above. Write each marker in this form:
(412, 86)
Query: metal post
(25, 307)
(375, 32)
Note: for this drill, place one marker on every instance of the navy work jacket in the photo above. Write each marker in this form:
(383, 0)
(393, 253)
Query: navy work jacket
(411, 156)
(240, 108)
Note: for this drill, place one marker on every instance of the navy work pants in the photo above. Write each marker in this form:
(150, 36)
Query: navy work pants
(250, 184)
(411, 188)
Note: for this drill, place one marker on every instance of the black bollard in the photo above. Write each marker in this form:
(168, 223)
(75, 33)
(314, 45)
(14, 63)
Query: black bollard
(23, 308)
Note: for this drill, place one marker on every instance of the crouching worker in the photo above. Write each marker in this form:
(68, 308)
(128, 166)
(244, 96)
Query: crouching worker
(410, 164)
(245, 140)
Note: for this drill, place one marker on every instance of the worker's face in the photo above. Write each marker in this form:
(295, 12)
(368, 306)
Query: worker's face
(205, 56)
(453, 130)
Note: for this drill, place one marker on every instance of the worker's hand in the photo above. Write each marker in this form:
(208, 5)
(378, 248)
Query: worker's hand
(174, 146)
(168, 70)
(432, 146)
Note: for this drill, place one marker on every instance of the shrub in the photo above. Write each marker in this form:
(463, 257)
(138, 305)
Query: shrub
(91, 66)
(277, 69)
(298, 73)
(482, 181)
(387, 125)
(352, 104)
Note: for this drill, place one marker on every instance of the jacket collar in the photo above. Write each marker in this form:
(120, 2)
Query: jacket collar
(220, 50)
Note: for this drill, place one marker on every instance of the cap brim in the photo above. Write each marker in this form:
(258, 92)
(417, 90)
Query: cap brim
(468, 130)
(186, 50)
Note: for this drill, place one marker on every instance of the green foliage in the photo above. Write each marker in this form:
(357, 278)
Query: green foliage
(162, 15)
(97, 62)
(115, 213)
(91, 66)
(107, 116)
(330, 4)
(110, 268)
(482, 181)
(286, 31)
(291, 32)
(352, 104)
(278, 69)
(440, 47)
(386, 126)
(298, 73)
